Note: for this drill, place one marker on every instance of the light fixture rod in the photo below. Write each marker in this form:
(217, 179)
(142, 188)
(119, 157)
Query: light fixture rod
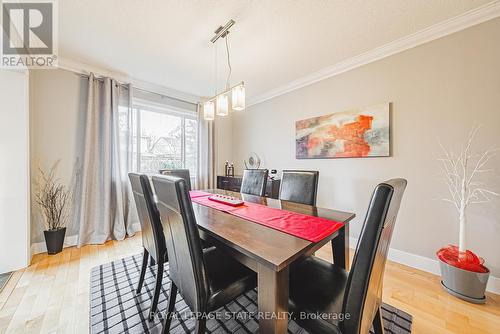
(222, 31)
(226, 91)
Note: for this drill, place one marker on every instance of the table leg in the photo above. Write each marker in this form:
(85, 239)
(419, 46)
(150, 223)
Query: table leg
(273, 300)
(340, 248)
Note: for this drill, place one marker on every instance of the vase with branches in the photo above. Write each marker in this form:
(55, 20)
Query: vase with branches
(53, 199)
(463, 173)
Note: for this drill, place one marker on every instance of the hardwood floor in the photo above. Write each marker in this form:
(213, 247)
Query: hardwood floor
(434, 311)
(52, 295)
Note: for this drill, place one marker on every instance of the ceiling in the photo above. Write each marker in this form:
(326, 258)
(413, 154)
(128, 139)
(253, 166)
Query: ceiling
(272, 43)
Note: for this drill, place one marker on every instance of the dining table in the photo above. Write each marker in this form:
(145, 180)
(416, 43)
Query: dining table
(268, 251)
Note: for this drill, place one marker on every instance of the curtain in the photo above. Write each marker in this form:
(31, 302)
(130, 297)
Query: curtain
(206, 153)
(105, 209)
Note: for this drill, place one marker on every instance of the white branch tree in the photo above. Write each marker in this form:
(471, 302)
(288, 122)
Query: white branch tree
(461, 172)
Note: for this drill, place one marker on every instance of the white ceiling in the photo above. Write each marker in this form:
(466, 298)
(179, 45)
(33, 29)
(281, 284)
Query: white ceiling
(272, 43)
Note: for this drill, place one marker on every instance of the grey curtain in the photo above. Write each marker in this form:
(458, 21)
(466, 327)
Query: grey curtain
(206, 153)
(105, 209)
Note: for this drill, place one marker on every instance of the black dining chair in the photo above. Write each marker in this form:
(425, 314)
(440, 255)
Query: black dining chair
(182, 173)
(153, 239)
(300, 186)
(317, 286)
(254, 182)
(206, 279)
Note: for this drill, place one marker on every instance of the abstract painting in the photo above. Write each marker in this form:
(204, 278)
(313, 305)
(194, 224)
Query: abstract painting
(355, 133)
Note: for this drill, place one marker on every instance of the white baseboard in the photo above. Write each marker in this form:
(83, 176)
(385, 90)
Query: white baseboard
(69, 241)
(408, 259)
(425, 264)
(40, 247)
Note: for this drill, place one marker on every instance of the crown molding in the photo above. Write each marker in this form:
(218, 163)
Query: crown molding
(468, 19)
(85, 69)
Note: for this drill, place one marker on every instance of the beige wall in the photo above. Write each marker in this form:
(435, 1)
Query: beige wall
(57, 120)
(223, 143)
(440, 90)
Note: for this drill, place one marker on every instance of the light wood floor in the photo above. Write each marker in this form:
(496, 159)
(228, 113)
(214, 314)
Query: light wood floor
(52, 295)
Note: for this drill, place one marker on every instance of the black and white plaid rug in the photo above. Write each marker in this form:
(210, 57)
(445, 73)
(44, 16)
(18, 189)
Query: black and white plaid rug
(116, 308)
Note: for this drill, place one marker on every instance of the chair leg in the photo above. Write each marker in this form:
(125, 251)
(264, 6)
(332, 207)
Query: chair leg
(145, 258)
(201, 325)
(152, 261)
(172, 295)
(156, 295)
(378, 324)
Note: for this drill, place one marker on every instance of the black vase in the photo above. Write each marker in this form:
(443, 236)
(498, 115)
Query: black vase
(54, 239)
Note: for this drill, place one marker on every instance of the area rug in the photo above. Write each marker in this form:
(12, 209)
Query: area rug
(116, 308)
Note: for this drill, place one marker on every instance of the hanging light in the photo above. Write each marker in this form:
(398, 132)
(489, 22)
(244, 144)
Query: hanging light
(209, 110)
(238, 97)
(219, 103)
(222, 105)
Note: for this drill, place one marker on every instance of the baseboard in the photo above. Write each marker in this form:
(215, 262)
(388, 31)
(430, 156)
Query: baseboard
(426, 264)
(40, 247)
(69, 241)
(408, 259)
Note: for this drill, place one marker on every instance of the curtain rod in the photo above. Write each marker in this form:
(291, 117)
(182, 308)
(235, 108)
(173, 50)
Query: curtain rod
(100, 77)
(163, 95)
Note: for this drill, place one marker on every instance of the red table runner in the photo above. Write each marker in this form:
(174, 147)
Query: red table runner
(197, 193)
(302, 226)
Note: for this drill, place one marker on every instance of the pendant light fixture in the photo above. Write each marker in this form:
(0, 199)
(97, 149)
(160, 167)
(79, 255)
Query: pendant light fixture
(238, 97)
(219, 103)
(222, 105)
(209, 110)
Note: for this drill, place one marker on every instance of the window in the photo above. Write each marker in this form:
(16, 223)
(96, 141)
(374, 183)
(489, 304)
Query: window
(164, 138)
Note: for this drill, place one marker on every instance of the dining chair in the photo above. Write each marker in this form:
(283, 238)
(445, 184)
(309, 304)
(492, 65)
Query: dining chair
(300, 186)
(254, 182)
(182, 173)
(153, 239)
(206, 279)
(319, 287)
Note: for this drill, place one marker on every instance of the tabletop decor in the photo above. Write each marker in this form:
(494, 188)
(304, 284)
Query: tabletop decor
(356, 133)
(300, 225)
(54, 200)
(463, 273)
(252, 161)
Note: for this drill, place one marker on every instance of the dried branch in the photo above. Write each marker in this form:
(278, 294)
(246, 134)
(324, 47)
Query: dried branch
(53, 198)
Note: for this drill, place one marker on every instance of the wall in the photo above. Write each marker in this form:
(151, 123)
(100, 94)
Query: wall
(438, 90)
(57, 113)
(14, 170)
(223, 143)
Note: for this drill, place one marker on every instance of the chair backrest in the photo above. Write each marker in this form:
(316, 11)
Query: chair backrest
(254, 181)
(153, 239)
(300, 186)
(182, 173)
(187, 267)
(363, 294)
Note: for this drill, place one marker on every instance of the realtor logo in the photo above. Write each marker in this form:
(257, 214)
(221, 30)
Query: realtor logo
(29, 38)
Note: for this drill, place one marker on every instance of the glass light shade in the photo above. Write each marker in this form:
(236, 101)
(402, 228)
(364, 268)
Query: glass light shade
(209, 110)
(222, 105)
(238, 97)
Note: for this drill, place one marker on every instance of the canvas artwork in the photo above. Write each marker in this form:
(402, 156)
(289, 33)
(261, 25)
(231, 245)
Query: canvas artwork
(355, 133)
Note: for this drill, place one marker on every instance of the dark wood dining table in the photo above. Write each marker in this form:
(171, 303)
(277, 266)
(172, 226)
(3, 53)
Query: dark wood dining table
(270, 252)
